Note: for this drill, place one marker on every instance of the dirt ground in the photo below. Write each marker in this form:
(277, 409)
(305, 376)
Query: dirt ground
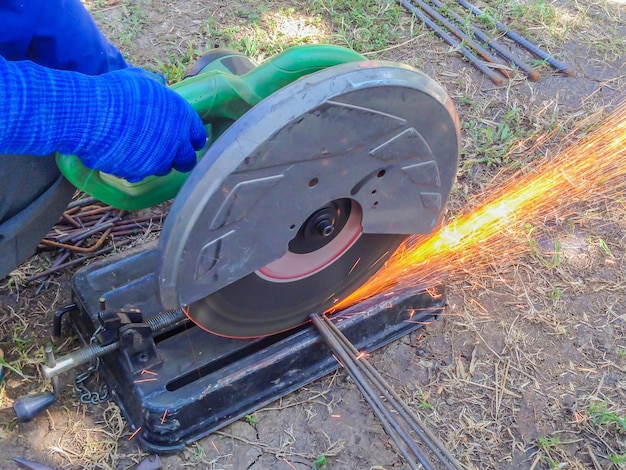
(526, 369)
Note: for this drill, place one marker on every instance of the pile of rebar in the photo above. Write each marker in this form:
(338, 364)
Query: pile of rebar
(88, 229)
(399, 421)
(482, 51)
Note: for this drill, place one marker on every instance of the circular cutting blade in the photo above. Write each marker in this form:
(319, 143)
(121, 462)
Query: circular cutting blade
(327, 259)
(305, 196)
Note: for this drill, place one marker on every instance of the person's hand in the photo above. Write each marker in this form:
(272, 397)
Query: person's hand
(140, 127)
(124, 123)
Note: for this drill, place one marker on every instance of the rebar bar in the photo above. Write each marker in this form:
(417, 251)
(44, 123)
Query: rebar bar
(372, 385)
(534, 49)
(485, 54)
(76, 261)
(494, 77)
(489, 42)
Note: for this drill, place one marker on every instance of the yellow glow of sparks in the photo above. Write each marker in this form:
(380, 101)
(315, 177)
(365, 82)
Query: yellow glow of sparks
(594, 167)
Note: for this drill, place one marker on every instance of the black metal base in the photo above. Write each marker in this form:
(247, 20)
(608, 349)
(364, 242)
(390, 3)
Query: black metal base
(203, 382)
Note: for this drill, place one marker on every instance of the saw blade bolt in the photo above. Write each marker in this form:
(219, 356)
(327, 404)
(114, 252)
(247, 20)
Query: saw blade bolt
(325, 227)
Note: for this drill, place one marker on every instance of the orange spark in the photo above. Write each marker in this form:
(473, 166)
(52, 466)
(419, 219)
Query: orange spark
(592, 168)
(354, 265)
(140, 381)
(164, 416)
(134, 434)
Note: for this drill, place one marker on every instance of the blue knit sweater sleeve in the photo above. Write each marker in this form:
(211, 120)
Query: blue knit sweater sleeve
(124, 122)
(58, 34)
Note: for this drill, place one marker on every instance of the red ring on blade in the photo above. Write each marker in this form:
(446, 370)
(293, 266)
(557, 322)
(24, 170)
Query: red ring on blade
(295, 266)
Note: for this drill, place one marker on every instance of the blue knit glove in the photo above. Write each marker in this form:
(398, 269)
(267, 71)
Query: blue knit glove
(123, 123)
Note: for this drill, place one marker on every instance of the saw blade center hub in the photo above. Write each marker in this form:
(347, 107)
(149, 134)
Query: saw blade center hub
(321, 227)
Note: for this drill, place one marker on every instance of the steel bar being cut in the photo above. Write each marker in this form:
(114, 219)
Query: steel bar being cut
(372, 385)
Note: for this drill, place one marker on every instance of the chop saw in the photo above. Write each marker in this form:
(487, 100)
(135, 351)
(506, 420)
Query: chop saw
(318, 165)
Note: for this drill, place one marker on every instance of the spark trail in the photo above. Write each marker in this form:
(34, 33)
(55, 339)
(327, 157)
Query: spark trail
(594, 167)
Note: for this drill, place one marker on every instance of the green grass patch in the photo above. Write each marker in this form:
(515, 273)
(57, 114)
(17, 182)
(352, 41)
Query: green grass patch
(601, 415)
(490, 142)
(361, 25)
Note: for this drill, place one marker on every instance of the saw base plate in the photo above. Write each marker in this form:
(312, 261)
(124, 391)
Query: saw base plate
(197, 383)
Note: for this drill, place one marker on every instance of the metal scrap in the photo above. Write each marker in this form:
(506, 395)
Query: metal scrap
(88, 229)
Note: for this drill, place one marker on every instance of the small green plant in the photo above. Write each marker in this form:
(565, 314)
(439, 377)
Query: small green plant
(13, 366)
(320, 463)
(536, 12)
(547, 445)
(601, 415)
(175, 65)
(256, 36)
(556, 257)
(423, 402)
(556, 294)
(605, 247)
(611, 44)
(133, 20)
(198, 454)
(618, 459)
(466, 101)
(251, 419)
(491, 143)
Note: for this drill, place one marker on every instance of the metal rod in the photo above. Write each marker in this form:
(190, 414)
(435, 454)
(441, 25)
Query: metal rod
(51, 362)
(348, 353)
(82, 202)
(433, 443)
(69, 219)
(76, 247)
(485, 54)
(385, 417)
(488, 41)
(87, 354)
(97, 228)
(494, 77)
(76, 261)
(520, 39)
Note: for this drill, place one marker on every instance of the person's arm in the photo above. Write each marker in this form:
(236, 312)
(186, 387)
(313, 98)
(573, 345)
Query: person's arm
(58, 34)
(122, 123)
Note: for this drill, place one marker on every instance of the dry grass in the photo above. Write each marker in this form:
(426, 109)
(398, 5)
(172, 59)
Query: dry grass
(527, 367)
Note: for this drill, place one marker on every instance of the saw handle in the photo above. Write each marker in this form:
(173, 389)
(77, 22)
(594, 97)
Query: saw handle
(219, 98)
